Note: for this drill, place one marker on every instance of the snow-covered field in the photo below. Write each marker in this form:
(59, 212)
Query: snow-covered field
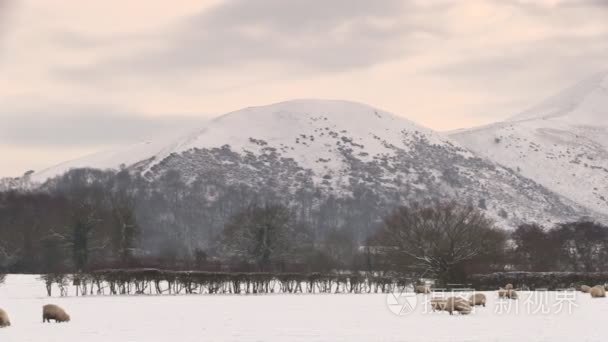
(293, 318)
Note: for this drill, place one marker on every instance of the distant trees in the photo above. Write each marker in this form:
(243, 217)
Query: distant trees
(91, 219)
(126, 229)
(583, 245)
(25, 219)
(84, 221)
(440, 240)
(267, 235)
(534, 249)
(66, 225)
(575, 247)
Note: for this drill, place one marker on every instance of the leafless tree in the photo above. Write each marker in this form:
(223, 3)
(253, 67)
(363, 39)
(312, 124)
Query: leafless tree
(266, 235)
(439, 240)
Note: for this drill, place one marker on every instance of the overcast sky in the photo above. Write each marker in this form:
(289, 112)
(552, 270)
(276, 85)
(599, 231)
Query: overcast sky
(80, 76)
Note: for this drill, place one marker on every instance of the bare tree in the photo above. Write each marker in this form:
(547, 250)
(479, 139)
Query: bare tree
(80, 238)
(534, 249)
(265, 235)
(439, 240)
(125, 228)
(583, 245)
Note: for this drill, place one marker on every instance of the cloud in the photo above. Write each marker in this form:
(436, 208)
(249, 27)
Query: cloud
(584, 3)
(539, 49)
(297, 36)
(6, 8)
(582, 55)
(64, 125)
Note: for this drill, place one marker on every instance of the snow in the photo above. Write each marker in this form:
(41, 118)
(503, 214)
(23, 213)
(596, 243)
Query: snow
(582, 104)
(111, 159)
(282, 123)
(561, 144)
(305, 130)
(336, 145)
(291, 318)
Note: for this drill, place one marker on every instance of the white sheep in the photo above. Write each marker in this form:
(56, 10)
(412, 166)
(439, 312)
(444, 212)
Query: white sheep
(598, 292)
(458, 304)
(422, 289)
(512, 294)
(478, 299)
(54, 312)
(4, 321)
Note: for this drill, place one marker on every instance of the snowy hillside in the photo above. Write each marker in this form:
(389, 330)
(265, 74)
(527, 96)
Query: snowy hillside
(112, 159)
(315, 134)
(561, 143)
(584, 104)
(344, 149)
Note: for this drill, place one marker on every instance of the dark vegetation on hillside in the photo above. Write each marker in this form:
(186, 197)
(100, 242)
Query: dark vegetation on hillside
(89, 220)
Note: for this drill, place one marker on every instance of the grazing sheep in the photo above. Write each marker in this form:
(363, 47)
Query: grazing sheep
(509, 287)
(478, 299)
(597, 292)
(4, 321)
(53, 312)
(502, 293)
(422, 289)
(512, 294)
(585, 288)
(438, 304)
(458, 304)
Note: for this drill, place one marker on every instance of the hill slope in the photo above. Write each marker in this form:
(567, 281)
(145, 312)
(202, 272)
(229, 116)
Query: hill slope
(561, 143)
(342, 149)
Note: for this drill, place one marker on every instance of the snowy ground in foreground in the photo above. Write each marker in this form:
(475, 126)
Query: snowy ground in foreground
(290, 318)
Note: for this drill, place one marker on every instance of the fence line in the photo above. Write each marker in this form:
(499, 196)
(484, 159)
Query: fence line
(162, 282)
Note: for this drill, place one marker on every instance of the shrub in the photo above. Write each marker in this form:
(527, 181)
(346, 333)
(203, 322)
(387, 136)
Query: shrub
(537, 280)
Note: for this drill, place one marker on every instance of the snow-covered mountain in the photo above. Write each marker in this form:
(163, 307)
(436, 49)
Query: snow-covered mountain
(343, 149)
(562, 143)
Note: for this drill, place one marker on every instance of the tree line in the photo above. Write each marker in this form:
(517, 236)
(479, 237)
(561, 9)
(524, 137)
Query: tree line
(158, 282)
(91, 219)
(88, 220)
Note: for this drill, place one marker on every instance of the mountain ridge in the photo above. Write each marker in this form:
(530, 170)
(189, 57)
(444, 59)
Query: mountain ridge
(342, 149)
(561, 143)
(584, 100)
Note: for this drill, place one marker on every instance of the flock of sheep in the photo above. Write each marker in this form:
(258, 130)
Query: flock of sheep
(458, 304)
(465, 307)
(598, 291)
(49, 312)
(451, 305)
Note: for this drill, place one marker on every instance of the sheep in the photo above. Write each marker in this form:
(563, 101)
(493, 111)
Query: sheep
(458, 304)
(512, 294)
(53, 312)
(422, 289)
(438, 304)
(597, 292)
(509, 287)
(502, 293)
(585, 288)
(478, 299)
(4, 321)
